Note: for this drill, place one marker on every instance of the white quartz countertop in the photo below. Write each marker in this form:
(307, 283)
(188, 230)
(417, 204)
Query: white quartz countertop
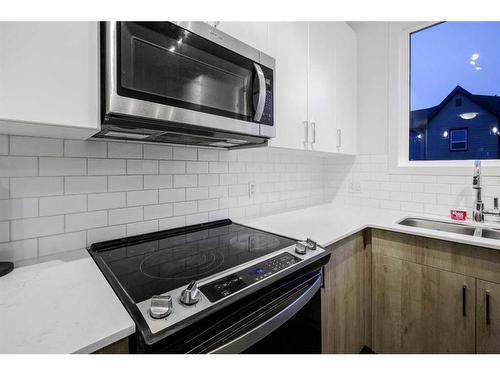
(329, 223)
(60, 307)
(69, 307)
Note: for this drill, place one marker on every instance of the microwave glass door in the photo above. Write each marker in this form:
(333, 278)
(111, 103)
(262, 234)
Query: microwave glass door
(164, 63)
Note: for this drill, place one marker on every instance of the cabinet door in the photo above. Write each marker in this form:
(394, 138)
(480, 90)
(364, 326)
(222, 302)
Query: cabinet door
(488, 317)
(420, 309)
(49, 73)
(254, 34)
(322, 86)
(346, 83)
(288, 45)
(343, 307)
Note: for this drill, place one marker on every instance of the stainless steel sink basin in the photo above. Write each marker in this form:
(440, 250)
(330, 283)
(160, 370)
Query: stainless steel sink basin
(441, 226)
(489, 233)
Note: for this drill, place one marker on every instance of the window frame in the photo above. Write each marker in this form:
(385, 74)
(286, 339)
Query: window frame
(399, 111)
(450, 132)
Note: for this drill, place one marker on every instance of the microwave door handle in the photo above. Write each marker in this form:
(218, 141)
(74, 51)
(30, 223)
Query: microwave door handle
(262, 93)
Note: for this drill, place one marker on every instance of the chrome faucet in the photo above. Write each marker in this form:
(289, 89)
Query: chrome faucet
(479, 211)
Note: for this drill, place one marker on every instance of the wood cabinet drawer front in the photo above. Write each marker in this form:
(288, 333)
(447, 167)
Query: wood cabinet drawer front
(467, 260)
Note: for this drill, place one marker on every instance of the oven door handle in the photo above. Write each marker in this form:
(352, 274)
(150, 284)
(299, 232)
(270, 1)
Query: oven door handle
(261, 101)
(262, 330)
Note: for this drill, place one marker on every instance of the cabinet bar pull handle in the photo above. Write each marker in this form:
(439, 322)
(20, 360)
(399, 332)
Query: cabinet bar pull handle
(339, 138)
(306, 133)
(464, 297)
(313, 127)
(488, 321)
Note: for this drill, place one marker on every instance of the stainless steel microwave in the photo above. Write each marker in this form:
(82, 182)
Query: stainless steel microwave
(184, 83)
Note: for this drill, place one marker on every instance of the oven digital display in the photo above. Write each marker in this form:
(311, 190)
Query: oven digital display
(228, 285)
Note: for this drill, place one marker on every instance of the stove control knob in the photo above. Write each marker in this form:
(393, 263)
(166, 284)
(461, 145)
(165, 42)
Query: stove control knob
(301, 247)
(311, 245)
(191, 295)
(161, 307)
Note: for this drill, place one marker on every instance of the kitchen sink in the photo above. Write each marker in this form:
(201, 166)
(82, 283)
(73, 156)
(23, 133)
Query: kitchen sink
(489, 233)
(441, 226)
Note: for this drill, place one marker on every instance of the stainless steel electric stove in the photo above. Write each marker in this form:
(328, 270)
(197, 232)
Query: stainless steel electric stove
(215, 287)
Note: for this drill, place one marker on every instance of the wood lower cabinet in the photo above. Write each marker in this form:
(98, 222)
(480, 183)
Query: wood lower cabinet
(343, 296)
(488, 317)
(420, 309)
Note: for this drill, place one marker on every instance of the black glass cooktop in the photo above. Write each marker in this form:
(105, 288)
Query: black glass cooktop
(159, 262)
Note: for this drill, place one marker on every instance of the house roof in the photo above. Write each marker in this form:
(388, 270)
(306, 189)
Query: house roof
(421, 117)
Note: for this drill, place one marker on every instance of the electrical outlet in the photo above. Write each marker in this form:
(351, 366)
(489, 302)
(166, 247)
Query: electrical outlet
(354, 186)
(251, 189)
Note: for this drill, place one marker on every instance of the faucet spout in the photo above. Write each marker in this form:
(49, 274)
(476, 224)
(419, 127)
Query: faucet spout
(478, 211)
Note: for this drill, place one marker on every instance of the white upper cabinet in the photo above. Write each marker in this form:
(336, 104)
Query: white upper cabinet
(254, 34)
(322, 86)
(316, 85)
(288, 44)
(49, 83)
(346, 84)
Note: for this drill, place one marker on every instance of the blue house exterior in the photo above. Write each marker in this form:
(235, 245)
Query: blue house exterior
(463, 126)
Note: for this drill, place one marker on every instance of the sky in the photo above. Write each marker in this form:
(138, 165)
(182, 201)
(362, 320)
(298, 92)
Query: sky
(441, 59)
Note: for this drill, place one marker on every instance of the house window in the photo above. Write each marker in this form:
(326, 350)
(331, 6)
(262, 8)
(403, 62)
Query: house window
(458, 139)
(455, 91)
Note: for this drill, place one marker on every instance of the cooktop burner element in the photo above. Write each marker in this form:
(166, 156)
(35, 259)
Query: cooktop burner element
(152, 266)
(172, 278)
(181, 263)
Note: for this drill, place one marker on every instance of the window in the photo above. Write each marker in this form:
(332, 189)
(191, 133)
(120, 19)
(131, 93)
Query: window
(458, 139)
(455, 91)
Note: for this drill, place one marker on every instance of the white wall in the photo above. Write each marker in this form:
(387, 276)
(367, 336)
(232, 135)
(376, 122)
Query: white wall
(433, 193)
(57, 195)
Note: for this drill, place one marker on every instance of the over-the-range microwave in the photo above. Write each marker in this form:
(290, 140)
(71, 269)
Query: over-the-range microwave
(184, 83)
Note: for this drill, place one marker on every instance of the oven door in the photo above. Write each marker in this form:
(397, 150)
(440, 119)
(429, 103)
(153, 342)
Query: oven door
(284, 318)
(165, 71)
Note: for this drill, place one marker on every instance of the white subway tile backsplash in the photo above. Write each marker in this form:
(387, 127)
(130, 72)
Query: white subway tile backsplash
(33, 146)
(125, 215)
(104, 201)
(196, 193)
(19, 250)
(105, 234)
(208, 155)
(185, 208)
(104, 167)
(61, 195)
(62, 167)
(125, 183)
(85, 184)
(142, 166)
(172, 167)
(158, 181)
(197, 167)
(86, 220)
(158, 211)
(62, 242)
(187, 180)
(4, 145)
(218, 167)
(172, 195)
(142, 227)
(185, 153)
(18, 166)
(18, 208)
(90, 149)
(36, 227)
(121, 150)
(171, 222)
(36, 186)
(157, 152)
(142, 197)
(64, 204)
(5, 231)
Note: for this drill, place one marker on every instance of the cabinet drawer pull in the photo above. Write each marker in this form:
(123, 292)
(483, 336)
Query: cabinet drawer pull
(488, 320)
(464, 298)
